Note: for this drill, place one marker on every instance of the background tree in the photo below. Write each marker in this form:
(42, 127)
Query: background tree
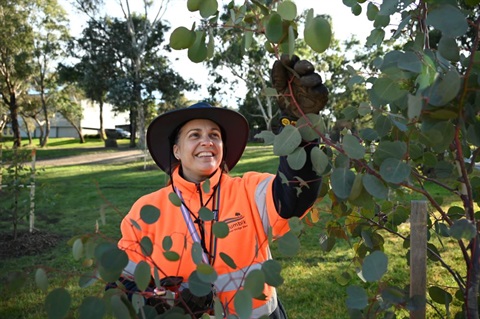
(142, 77)
(51, 34)
(16, 47)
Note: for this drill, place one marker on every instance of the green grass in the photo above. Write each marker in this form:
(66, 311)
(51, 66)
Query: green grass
(75, 200)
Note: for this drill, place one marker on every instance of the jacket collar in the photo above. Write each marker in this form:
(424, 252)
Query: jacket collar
(187, 186)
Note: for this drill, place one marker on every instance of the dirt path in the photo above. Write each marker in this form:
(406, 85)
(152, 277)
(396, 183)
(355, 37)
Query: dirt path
(120, 156)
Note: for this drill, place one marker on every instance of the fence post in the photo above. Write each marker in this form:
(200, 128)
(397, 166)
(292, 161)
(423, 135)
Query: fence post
(418, 255)
(32, 191)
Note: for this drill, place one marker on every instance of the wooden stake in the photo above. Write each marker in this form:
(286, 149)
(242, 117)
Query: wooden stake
(418, 255)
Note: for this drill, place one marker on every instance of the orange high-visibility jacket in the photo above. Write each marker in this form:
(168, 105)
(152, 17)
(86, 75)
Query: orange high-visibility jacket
(245, 204)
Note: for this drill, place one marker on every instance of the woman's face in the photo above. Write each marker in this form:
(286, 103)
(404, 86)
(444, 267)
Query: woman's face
(199, 147)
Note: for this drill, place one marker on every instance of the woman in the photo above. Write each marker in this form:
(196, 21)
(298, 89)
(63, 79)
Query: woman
(196, 147)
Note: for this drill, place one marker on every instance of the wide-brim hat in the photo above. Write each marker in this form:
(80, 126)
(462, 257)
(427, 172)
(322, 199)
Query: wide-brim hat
(161, 133)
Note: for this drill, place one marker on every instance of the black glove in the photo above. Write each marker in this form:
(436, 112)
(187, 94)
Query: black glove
(306, 85)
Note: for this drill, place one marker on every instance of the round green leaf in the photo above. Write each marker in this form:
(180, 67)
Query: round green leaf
(114, 259)
(243, 304)
(205, 214)
(352, 147)
(119, 308)
(388, 149)
(174, 199)
(318, 34)
(167, 243)
(254, 282)
(357, 187)
(77, 249)
(206, 273)
(288, 244)
(58, 303)
(197, 286)
(374, 266)
(448, 19)
(208, 8)
(388, 89)
(372, 11)
(228, 260)
(272, 270)
(197, 253)
(182, 38)
(449, 49)
(287, 141)
(41, 279)
(193, 5)
(146, 245)
(274, 28)
(320, 160)
(439, 295)
(376, 36)
(342, 180)
(445, 88)
(311, 126)
(142, 275)
(374, 186)
(149, 214)
(368, 134)
(297, 159)
(220, 229)
(92, 308)
(198, 51)
(394, 170)
(171, 255)
(357, 9)
(463, 229)
(357, 297)
(287, 10)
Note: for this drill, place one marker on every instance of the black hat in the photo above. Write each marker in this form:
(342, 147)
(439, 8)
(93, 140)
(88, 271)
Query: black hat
(164, 128)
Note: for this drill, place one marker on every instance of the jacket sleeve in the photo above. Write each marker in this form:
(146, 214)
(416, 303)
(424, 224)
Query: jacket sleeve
(288, 200)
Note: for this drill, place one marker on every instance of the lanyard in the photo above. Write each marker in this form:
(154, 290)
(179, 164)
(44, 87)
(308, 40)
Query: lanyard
(208, 257)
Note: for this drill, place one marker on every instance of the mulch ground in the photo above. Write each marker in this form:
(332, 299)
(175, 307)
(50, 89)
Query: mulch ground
(26, 243)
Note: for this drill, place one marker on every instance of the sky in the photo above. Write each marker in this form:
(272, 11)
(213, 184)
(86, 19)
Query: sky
(344, 24)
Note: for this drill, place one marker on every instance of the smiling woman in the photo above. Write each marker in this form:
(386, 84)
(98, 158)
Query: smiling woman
(203, 215)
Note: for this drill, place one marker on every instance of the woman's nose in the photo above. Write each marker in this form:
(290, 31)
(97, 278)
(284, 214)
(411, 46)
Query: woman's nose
(207, 141)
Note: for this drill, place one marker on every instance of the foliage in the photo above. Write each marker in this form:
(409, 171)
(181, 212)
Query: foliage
(423, 122)
(16, 179)
(423, 111)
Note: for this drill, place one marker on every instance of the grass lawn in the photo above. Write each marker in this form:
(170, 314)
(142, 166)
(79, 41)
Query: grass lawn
(92, 199)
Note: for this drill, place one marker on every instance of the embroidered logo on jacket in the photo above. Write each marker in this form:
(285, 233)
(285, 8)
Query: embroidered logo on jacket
(236, 223)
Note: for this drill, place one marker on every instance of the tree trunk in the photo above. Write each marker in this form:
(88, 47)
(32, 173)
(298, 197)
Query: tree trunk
(133, 126)
(17, 138)
(44, 140)
(102, 129)
(473, 280)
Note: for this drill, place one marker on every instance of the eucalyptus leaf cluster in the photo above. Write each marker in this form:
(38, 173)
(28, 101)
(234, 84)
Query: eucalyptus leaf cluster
(423, 128)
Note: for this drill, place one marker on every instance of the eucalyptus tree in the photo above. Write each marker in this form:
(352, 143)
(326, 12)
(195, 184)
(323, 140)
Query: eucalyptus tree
(95, 67)
(51, 35)
(16, 47)
(142, 76)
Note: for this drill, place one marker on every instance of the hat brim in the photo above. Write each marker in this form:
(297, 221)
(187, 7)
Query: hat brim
(233, 124)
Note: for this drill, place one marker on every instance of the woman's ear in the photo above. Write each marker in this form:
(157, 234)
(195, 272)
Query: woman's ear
(175, 152)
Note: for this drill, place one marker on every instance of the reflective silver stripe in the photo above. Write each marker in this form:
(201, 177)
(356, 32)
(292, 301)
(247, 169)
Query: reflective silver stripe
(267, 308)
(129, 270)
(233, 281)
(261, 201)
